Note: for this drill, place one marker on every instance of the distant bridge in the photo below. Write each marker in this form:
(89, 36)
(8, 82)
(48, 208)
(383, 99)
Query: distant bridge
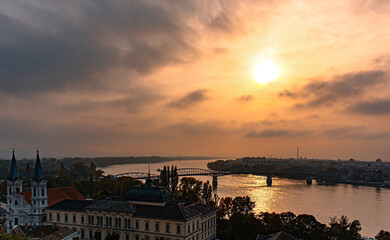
(182, 172)
(185, 172)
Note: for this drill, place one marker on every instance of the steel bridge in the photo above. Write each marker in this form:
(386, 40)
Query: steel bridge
(182, 172)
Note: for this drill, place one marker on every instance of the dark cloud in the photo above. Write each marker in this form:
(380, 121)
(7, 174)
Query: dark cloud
(275, 133)
(74, 44)
(353, 132)
(221, 23)
(331, 132)
(246, 98)
(134, 102)
(377, 107)
(326, 93)
(189, 100)
(191, 128)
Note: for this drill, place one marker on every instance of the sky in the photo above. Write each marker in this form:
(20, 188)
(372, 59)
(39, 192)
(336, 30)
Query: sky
(146, 77)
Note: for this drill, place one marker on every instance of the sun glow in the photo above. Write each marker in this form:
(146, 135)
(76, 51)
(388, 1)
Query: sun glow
(265, 71)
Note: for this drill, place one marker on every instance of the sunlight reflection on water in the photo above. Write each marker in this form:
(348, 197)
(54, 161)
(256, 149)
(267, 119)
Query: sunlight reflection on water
(367, 204)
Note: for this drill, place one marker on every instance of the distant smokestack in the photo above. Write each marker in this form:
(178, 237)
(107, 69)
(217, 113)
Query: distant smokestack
(297, 152)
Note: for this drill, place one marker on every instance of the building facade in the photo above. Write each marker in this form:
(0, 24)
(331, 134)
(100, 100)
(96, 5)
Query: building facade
(148, 213)
(29, 207)
(19, 211)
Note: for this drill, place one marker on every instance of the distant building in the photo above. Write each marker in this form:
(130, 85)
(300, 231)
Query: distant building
(28, 208)
(149, 212)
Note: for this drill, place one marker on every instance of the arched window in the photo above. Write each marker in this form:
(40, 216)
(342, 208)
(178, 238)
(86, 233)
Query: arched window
(10, 190)
(35, 192)
(16, 202)
(43, 192)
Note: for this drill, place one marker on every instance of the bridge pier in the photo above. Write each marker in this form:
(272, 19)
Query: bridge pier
(269, 180)
(309, 180)
(215, 181)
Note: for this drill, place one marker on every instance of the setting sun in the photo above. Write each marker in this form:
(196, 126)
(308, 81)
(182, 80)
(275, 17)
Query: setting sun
(266, 71)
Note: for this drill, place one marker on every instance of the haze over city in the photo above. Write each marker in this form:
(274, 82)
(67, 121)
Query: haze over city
(195, 78)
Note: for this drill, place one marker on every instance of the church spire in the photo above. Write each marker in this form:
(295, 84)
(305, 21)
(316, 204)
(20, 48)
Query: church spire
(14, 173)
(38, 173)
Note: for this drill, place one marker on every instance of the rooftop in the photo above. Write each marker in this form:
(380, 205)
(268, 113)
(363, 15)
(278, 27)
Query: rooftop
(111, 205)
(55, 195)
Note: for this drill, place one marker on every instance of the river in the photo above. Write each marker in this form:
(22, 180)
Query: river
(371, 206)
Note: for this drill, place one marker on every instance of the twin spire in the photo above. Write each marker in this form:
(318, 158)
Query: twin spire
(14, 173)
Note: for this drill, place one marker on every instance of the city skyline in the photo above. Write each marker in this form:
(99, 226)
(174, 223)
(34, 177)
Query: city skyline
(181, 78)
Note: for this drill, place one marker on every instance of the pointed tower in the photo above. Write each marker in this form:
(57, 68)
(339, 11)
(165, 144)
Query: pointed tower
(38, 193)
(14, 189)
(14, 182)
(13, 173)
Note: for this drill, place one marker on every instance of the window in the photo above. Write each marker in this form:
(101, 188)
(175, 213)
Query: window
(74, 218)
(136, 237)
(178, 229)
(43, 202)
(10, 190)
(127, 237)
(43, 192)
(66, 218)
(82, 234)
(58, 217)
(82, 219)
(146, 226)
(189, 228)
(167, 228)
(50, 217)
(136, 225)
(120, 222)
(16, 221)
(16, 202)
(157, 227)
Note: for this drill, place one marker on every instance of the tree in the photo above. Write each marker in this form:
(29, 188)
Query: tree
(190, 189)
(307, 227)
(383, 235)
(174, 179)
(243, 205)
(225, 208)
(341, 229)
(207, 193)
(5, 236)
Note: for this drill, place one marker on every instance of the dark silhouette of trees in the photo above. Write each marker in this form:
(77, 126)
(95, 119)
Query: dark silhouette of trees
(383, 235)
(169, 178)
(341, 229)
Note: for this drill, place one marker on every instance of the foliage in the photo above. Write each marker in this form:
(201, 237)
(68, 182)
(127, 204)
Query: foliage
(5, 236)
(383, 235)
(237, 221)
(340, 228)
(169, 178)
(228, 206)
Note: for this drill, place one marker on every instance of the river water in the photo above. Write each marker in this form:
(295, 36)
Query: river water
(371, 206)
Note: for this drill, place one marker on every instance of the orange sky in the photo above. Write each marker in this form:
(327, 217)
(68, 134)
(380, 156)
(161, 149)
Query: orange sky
(176, 78)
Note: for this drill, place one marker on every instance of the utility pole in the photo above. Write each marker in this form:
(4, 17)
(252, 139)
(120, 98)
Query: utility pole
(298, 152)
